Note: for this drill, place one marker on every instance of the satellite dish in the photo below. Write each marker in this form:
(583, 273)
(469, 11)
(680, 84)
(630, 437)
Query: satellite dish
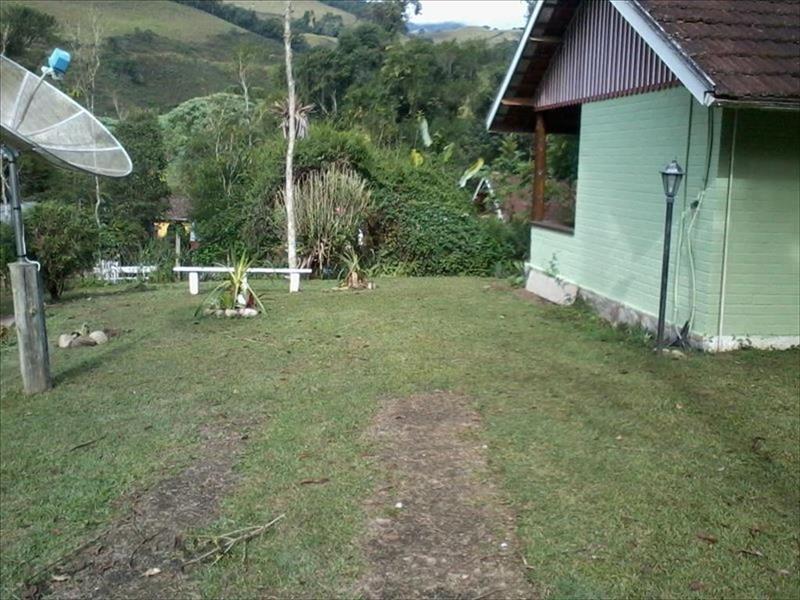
(36, 116)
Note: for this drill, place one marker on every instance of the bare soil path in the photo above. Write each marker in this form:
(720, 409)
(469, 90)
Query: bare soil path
(450, 537)
(151, 536)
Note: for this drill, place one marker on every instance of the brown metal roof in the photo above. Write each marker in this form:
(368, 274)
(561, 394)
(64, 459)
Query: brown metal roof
(745, 51)
(750, 49)
(179, 208)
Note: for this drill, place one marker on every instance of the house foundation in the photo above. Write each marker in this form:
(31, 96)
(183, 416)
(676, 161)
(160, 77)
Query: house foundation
(558, 291)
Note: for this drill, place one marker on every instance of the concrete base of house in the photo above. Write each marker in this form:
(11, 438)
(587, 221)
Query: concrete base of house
(562, 292)
(550, 288)
(726, 343)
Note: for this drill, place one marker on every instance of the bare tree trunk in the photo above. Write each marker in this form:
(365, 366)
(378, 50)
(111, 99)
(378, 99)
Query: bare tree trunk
(289, 191)
(5, 36)
(98, 200)
(88, 65)
(244, 58)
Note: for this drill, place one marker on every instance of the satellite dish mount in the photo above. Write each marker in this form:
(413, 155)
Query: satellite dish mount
(36, 116)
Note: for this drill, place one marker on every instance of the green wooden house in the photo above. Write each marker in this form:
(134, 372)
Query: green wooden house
(716, 86)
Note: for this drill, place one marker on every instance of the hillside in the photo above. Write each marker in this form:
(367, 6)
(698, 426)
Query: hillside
(469, 32)
(120, 17)
(274, 8)
(157, 53)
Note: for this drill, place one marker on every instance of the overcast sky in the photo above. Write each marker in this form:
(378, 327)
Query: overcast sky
(503, 14)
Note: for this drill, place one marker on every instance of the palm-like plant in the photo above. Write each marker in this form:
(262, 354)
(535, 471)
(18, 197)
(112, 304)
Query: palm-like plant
(234, 292)
(355, 276)
(281, 109)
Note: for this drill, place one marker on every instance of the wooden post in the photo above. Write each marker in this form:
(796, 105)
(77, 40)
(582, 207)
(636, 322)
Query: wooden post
(34, 357)
(540, 169)
(178, 245)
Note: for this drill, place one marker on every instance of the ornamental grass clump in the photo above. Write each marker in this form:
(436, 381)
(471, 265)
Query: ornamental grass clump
(330, 205)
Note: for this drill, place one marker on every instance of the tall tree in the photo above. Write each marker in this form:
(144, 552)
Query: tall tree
(291, 236)
(86, 65)
(22, 27)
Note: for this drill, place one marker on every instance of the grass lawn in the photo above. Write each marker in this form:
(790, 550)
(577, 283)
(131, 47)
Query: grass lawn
(630, 475)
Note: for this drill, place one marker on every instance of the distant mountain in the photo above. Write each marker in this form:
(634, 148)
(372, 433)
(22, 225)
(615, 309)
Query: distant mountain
(417, 28)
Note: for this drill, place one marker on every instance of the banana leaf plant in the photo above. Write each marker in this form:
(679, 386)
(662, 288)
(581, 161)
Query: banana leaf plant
(234, 292)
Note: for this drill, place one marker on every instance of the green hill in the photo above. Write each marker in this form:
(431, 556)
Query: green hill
(157, 53)
(120, 17)
(271, 8)
(462, 34)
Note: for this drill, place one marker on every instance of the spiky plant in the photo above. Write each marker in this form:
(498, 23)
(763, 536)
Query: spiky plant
(355, 276)
(281, 109)
(234, 291)
(329, 207)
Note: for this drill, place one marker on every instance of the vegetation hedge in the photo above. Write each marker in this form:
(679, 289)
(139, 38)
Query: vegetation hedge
(426, 225)
(64, 238)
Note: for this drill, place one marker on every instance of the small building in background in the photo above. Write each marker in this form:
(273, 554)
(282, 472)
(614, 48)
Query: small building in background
(714, 85)
(177, 222)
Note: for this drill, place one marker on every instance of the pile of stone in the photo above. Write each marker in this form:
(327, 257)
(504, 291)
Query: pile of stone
(231, 312)
(84, 338)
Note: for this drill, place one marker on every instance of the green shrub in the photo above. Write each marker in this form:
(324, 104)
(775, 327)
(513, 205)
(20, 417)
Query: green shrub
(255, 221)
(324, 146)
(64, 239)
(427, 223)
(330, 205)
(159, 253)
(7, 250)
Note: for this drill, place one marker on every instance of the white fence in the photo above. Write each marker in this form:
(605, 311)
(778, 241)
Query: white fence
(113, 272)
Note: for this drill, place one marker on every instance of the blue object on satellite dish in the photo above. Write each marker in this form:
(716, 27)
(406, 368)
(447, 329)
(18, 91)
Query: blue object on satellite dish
(59, 61)
(35, 115)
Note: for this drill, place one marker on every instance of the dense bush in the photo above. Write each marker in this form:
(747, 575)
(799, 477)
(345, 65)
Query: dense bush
(254, 218)
(419, 222)
(64, 239)
(428, 225)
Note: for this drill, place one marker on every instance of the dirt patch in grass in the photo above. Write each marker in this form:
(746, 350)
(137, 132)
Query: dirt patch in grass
(451, 537)
(151, 535)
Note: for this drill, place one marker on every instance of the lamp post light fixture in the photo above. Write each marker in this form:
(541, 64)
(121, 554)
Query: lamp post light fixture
(671, 177)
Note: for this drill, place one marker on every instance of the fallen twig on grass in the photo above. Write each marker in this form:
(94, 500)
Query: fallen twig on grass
(89, 443)
(32, 579)
(525, 562)
(140, 544)
(315, 481)
(225, 542)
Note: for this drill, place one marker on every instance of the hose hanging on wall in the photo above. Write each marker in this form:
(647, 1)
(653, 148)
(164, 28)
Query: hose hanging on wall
(686, 233)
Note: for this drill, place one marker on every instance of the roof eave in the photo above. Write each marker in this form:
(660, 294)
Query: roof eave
(517, 56)
(758, 103)
(688, 72)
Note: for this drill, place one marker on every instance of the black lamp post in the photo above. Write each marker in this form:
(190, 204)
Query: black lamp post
(671, 177)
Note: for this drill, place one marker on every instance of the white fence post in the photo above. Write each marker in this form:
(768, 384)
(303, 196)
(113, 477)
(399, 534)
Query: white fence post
(194, 283)
(294, 282)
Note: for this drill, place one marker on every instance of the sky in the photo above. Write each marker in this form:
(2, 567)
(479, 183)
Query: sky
(503, 14)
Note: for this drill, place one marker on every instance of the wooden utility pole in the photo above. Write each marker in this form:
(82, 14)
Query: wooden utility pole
(34, 357)
(540, 169)
(26, 290)
(291, 235)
